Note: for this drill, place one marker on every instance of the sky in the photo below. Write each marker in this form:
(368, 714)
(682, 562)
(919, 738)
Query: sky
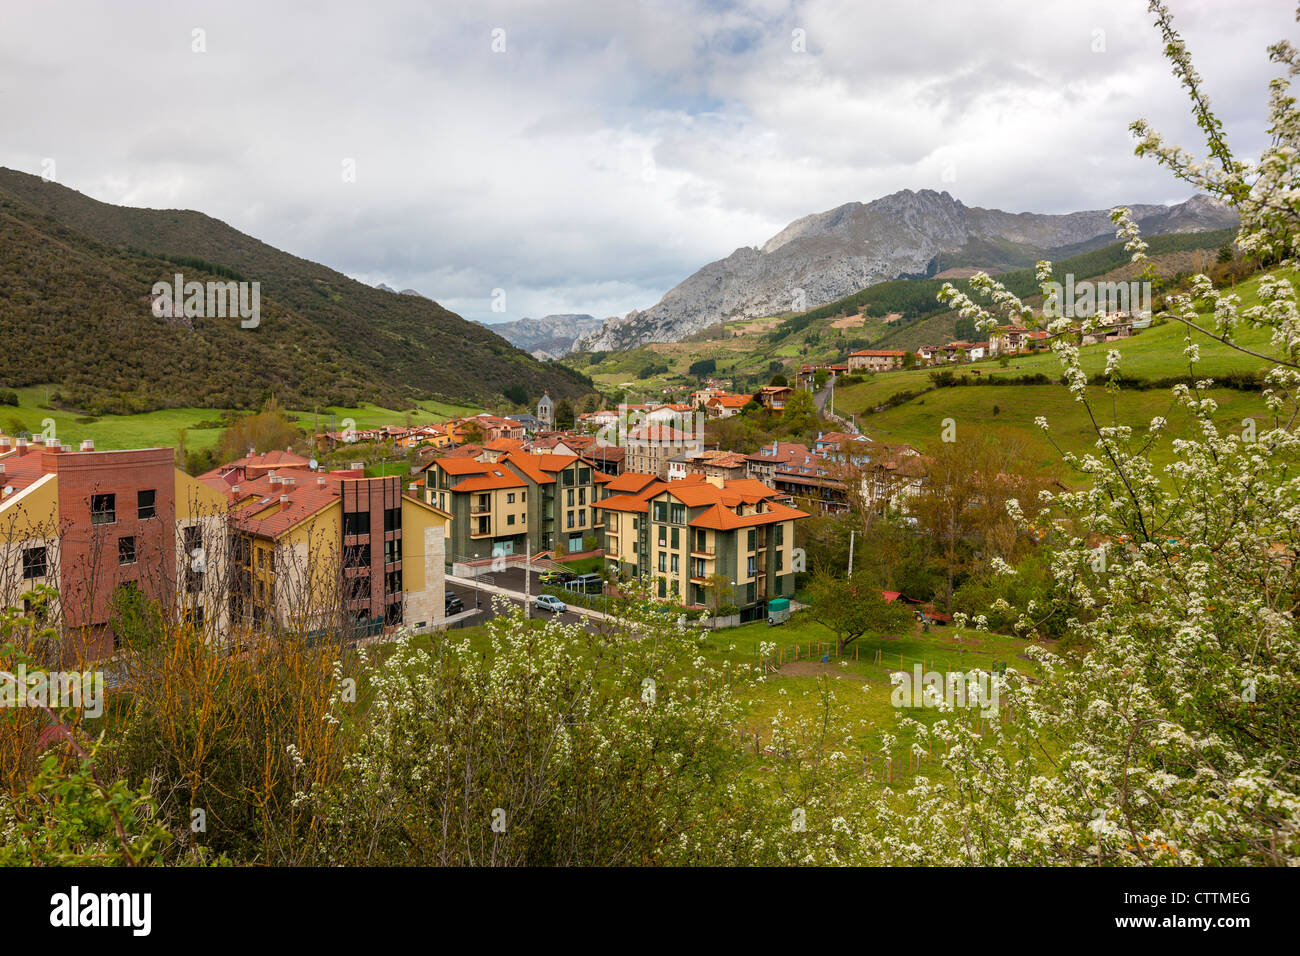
(523, 159)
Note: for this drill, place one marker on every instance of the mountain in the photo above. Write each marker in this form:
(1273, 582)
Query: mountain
(828, 255)
(75, 311)
(548, 337)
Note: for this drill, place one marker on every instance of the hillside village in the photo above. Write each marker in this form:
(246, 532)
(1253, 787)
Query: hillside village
(913, 531)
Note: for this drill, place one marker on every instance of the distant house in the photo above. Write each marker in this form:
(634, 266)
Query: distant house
(876, 360)
(532, 424)
(725, 404)
(773, 397)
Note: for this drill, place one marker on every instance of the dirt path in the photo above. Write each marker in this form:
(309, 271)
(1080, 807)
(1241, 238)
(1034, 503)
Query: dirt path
(816, 669)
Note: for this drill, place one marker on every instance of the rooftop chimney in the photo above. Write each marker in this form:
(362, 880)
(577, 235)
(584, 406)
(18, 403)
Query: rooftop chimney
(4, 441)
(284, 499)
(88, 444)
(320, 481)
(22, 446)
(51, 442)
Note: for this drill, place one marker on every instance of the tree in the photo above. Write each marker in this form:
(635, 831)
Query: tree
(263, 431)
(564, 414)
(720, 593)
(962, 506)
(1177, 579)
(779, 380)
(851, 607)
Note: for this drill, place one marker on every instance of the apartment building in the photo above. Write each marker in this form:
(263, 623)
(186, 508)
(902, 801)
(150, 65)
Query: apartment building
(651, 447)
(314, 551)
(705, 542)
(500, 507)
(95, 525)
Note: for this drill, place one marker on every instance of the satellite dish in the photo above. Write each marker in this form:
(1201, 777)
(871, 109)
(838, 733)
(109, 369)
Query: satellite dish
(313, 464)
(9, 489)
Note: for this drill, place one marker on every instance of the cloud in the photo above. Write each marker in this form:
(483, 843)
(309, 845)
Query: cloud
(610, 149)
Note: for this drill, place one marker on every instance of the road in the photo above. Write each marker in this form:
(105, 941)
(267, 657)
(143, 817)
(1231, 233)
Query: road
(486, 587)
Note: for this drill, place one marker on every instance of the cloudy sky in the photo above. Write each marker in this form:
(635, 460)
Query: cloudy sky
(587, 156)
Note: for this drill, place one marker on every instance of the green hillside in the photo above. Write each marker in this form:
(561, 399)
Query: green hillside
(907, 406)
(903, 313)
(75, 276)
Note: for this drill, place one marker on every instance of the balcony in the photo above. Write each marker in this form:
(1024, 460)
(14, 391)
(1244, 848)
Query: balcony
(483, 529)
(705, 555)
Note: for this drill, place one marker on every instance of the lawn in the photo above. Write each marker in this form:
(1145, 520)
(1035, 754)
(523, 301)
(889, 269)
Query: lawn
(160, 428)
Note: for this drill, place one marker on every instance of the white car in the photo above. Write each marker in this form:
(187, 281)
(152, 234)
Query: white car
(549, 602)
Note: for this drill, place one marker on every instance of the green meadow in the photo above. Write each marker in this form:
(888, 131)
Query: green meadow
(202, 425)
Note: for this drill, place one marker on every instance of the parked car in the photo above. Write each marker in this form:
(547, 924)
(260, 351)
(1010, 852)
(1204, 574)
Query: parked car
(549, 602)
(556, 576)
(454, 604)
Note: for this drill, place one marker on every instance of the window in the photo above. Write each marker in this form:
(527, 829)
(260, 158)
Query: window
(677, 514)
(751, 539)
(582, 517)
(510, 497)
(699, 541)
(676, 539)
(753, 568)
(145, 504)
(780, 535)
(676, 566)
(570, 497)
(103, 509)
(193, 537)
(523, 497)
(356, 522)
(780, 560)
(584, 476)
(34, 563)
(582, 496)
(570, 514)
(126, 550)
(510, 519)
(663, 561)
(393, 519)
(661, 511)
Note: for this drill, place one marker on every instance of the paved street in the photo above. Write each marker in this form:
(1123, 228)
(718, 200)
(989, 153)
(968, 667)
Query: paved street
(487, 586)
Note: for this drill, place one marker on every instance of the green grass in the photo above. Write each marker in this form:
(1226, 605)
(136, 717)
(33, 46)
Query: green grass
(1151, 355)
(920, 422)
(160, 428)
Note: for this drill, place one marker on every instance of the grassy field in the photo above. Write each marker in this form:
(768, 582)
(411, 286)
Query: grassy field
(859, 686)
(1151, 355)
(152, 429)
